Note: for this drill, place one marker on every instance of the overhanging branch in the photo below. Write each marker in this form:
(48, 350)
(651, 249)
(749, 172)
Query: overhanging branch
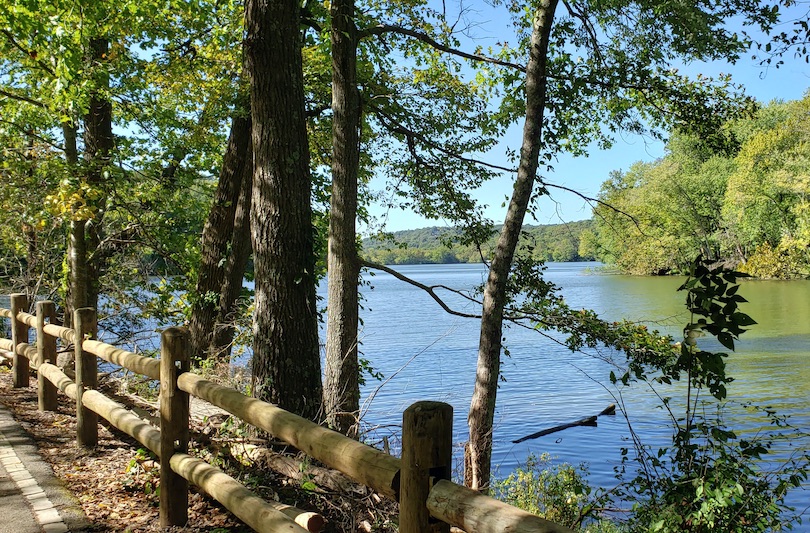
(430, 289)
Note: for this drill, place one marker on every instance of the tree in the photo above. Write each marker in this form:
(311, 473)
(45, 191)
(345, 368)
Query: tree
(482, 407)
(341, 389)
(81, 78)
(218, 242)
(766, 207)
(132, 203)
(286, 360)
(744, 206)
(623, 82)
(399, 106)
(85, 259)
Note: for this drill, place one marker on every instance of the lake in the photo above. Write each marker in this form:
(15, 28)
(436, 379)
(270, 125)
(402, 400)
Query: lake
(427, 354)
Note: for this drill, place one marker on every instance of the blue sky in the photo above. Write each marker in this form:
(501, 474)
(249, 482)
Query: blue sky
(586, 174)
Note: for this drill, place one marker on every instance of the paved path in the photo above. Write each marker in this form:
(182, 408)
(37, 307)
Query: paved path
(32, 500)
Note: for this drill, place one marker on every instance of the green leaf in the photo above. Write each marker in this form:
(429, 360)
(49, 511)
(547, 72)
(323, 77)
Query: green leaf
(726, 340)
(741, 319)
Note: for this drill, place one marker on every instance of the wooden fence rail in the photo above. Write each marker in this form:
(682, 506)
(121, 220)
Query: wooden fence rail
(429, 501)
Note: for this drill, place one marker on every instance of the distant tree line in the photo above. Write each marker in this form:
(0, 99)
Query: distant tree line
(437, 245)
(745, 201)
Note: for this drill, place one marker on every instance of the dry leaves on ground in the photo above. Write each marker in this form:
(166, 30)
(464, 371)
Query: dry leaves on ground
(115, 483)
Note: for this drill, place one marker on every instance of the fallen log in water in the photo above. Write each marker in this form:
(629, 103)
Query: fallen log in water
(587, 421)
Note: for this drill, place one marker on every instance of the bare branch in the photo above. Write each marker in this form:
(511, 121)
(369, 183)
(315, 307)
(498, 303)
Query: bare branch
(427, 288)
(427, 39)
(397, 127)
(593, 200)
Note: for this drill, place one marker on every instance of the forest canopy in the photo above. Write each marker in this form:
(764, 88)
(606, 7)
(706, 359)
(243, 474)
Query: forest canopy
(745, 203)
(551, 242)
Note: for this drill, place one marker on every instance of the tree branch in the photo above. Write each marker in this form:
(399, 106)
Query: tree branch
(427, 39)
(397, 127)
(29, 53)
(22, 98)
(595, 200)
(427, 288)
(33, 135)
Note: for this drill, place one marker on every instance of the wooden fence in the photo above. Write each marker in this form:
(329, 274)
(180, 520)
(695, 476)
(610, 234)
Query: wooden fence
(419, 481)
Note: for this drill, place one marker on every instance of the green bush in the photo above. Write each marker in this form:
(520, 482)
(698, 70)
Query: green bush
(559, 493)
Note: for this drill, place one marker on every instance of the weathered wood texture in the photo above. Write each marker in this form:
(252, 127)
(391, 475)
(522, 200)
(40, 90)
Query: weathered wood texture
(360, 462)
(472, 511)
(211, 479)
(19, 335)
(427, 450)
(61, 381)
(84, 322)
(174, 413)
(66, 334)
(46, 353)
(27, 318)
(250, 508)
(137, 363)
(29, 352)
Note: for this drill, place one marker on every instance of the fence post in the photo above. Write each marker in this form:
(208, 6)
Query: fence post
(19, 335)
(84, 325)
(427, 451)
(174, 413)
(46, 353)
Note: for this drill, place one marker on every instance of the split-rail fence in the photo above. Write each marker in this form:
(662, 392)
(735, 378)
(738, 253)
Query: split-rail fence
(419, 480)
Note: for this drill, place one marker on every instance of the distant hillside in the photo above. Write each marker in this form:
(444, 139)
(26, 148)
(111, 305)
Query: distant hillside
(553, 242)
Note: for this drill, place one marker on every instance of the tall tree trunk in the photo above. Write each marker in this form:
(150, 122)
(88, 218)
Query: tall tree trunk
(217, 237)
(229, 307)
(30, 234)
(482, 408)
(341, 388)
(75, 256)
(286, 360)
(86, 235)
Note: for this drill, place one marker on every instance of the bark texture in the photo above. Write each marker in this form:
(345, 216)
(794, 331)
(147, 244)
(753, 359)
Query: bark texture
(341, 388)
(229, 305)
(76, 254)
(217, 238)
(98, 147)
(85, 236)
(482, 408)
(286, 361)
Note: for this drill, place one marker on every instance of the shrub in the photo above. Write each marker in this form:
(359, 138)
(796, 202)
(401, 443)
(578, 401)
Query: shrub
(559, 493)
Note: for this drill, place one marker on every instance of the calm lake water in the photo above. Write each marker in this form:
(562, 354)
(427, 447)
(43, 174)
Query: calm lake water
(426, 354)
